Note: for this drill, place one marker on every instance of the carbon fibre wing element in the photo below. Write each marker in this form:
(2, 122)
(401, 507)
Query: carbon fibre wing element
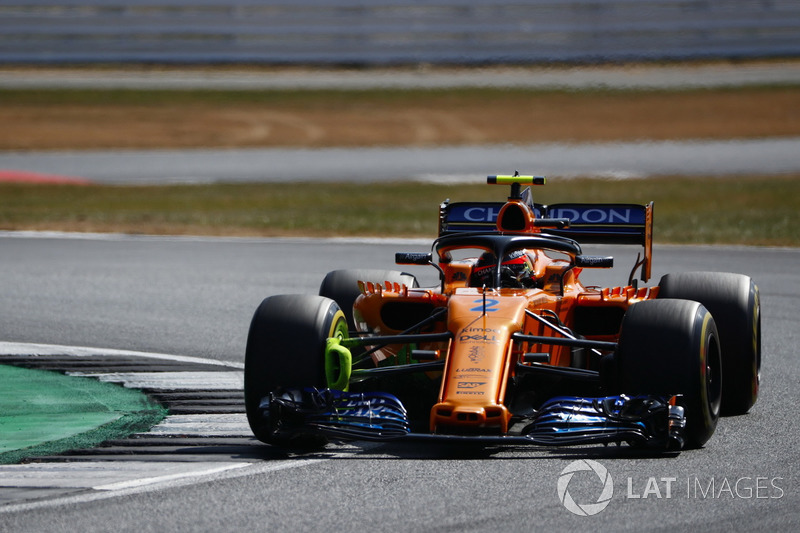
(651, 421)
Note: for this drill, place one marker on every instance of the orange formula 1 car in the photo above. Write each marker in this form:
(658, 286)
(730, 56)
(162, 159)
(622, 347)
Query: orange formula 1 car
(510, 346)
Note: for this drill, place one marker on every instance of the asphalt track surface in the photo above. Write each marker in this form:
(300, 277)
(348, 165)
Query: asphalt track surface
(631, 76)
(195, 297)
(446, 164)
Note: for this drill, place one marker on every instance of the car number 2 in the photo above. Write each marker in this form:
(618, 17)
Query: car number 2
(488, 305)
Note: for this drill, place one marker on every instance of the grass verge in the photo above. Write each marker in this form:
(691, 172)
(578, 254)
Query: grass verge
(753, 210)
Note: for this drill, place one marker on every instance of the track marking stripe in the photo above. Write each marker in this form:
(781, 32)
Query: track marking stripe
(31, 349)
(141, 482)
(109, 479)
(207, 425)
(249, 469)
(232, 381)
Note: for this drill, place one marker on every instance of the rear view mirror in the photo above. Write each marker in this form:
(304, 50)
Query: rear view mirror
(413, 258)
(594, 261)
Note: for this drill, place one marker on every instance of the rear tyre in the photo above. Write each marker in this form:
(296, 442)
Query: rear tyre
(671, 347)
(341, 286)
(733, 300)
(286, 348)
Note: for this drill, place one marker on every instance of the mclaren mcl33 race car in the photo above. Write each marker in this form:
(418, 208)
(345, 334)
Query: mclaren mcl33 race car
(510, 347)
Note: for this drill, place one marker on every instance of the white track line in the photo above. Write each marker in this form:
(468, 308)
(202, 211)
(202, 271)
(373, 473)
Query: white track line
(230, 380)
(158, 483)
(110, 479)
(29, 349)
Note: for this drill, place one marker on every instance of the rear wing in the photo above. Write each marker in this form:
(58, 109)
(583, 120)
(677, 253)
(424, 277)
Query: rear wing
(589, 223)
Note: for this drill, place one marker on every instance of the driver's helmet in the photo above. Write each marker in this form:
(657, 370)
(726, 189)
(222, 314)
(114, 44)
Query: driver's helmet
(516, 271)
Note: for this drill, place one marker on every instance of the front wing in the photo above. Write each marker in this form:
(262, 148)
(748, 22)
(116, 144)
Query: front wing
(653, 421)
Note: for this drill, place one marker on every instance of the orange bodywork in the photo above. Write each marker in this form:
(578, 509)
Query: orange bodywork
(481, 357)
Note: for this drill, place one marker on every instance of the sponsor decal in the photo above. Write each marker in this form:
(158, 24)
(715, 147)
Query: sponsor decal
(473, 334)
(477, 338)
(590, 260)
(480, 214)
(598, 215)
(473, 329)
(470, 384)
(539, 301)
(459, 276)
(577, 214)
(475, 354)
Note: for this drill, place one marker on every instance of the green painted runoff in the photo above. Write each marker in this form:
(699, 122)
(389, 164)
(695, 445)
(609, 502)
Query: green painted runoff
(44, 412)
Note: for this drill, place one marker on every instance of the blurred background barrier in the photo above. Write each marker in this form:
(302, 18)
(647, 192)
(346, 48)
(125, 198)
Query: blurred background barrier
(385, 32)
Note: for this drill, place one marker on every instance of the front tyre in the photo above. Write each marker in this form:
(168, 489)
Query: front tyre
(733, 300)
(669, 347)
(286, 349)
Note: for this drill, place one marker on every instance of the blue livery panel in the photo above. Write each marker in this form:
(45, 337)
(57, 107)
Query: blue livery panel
(589, 223)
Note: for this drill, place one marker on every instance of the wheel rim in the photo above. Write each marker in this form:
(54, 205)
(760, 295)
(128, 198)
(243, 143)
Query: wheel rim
(338, 326)
(713, 374)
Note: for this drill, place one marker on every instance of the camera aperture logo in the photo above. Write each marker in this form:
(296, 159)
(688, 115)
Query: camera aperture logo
(585, 509)
(764, 488)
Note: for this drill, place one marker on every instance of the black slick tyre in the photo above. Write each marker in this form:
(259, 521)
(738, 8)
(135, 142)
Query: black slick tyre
(669, 347)
(733, 301)
(286, 348)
